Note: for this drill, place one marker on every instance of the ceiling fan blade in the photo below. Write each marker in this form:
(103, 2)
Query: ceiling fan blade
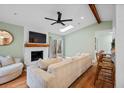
(53, 23)
(63, 24)
(66, 20)
(59, 16)
(50, 19)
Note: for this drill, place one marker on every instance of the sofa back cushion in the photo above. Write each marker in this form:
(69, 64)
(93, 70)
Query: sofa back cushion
(54, 67)
(7, 61)
(43, 64)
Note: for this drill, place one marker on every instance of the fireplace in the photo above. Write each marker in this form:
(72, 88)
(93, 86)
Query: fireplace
(35, 55)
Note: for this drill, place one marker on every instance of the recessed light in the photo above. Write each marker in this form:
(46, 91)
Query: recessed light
(82, 17)
(66, 28)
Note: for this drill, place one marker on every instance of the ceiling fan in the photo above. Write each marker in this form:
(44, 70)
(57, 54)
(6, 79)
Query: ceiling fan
(59, 20)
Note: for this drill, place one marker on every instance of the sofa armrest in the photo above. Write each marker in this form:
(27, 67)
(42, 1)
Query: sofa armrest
(38, 78)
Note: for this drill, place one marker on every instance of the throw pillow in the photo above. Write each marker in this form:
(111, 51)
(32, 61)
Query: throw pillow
(41, 64)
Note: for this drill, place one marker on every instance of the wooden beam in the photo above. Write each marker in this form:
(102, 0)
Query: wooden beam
(95, 13)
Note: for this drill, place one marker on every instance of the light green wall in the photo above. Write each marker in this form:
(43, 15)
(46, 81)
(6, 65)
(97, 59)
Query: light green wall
(54, 36)
(15, 49)
(83, 40)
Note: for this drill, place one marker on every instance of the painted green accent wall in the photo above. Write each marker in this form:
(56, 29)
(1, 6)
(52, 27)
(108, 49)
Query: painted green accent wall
(83, 40)
(15, 49)
(54, 36)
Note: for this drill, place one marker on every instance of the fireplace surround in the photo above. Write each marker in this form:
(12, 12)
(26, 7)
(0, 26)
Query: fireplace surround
(35, 55)
(28, 52)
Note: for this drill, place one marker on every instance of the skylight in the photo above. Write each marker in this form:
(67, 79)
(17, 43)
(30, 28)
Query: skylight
(66, 28)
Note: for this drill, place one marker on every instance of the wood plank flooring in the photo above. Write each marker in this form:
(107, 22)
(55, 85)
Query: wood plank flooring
(86, 80)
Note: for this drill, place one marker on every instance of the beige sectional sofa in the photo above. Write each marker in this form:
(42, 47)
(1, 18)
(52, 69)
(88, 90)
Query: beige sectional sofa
(58, 75)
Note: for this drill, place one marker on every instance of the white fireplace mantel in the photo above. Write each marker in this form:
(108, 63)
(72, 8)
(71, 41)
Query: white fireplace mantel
(27, 54)
(27, 50)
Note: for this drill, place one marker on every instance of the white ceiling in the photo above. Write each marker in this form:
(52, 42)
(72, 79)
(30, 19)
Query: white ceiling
(33, 15)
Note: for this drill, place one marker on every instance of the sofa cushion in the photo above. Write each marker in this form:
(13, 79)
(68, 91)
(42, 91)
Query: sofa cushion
(7, 61)
(53, 67)
(52, 60)
(43, 64)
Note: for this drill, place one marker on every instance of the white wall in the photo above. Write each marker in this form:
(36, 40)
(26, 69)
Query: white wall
(119, 46)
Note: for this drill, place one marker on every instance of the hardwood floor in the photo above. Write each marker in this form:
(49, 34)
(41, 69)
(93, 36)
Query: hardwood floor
(86, 80)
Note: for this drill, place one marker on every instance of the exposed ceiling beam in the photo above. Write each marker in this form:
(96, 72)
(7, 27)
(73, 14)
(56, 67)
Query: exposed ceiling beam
(95, 13)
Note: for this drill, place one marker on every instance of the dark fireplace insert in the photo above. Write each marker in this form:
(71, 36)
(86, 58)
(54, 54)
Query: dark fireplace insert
(35, 55)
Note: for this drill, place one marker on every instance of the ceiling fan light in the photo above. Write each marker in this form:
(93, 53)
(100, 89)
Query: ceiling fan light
(66, 28)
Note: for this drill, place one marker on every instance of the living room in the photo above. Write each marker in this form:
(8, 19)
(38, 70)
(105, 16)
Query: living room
(53, 35)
